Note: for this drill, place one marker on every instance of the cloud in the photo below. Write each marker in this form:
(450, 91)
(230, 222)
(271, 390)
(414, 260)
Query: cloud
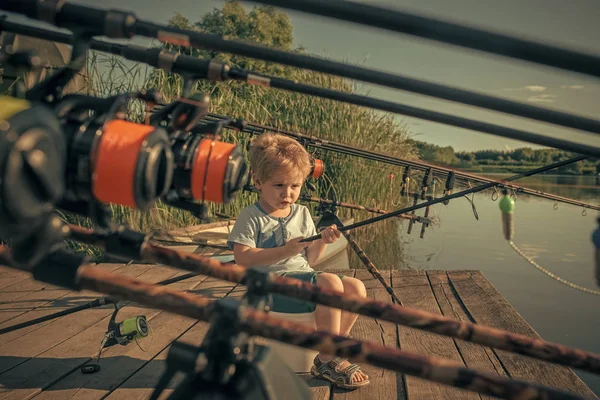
(530, 88)
(535, 88)
(542, 98)
(572, 87)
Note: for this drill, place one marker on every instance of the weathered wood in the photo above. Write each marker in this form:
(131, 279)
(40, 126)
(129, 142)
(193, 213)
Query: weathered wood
(119, 362)
(51, 364)
(384, 384)
(414, 290)
(57, 304)
(487, 307)
(321, 389)
(369, 280)
(59, 330)
(61, 346)
(39, 295)
(141, 383)
(10, 276)
(475, 356)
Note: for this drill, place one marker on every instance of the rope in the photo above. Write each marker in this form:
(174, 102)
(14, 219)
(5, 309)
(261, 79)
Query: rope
(550, 274)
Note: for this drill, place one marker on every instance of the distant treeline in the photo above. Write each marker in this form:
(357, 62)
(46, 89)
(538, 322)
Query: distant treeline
(503, 160)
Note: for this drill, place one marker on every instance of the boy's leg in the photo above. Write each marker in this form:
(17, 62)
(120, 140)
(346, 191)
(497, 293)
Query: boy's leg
(354, 287)
(332, 319)
(327, 318)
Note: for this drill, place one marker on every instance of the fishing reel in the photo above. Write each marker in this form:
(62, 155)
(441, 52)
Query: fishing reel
(317, 169)
(111, 160)
(121, 333)
(205, 168)
(32, 168)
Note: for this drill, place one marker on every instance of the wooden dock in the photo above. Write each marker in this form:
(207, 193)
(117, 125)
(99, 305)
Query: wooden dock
(43, 361)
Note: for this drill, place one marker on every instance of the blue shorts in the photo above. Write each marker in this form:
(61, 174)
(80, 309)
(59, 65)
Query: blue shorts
(289, 305)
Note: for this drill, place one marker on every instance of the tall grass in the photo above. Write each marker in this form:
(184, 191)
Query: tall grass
(352, 180)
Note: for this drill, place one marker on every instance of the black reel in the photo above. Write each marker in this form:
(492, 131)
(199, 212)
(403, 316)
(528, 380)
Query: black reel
(32, 168)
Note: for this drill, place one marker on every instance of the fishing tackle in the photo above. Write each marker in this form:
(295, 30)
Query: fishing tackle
(121, 333)
(450, 181)
(317, 168)
(405, 184)
(111, 160)
(229, 365)
(207, 169)
(596, 242)
(507, 206)
(495, 194)
(427, 182)
(32, 169)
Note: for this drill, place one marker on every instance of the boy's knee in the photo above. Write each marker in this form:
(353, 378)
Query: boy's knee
(354, 286)
(330, 281)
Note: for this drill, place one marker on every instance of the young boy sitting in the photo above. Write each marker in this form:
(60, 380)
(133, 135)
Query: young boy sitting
(267, 235)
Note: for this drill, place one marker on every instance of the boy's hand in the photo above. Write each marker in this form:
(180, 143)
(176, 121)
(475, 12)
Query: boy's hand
(295, 247)
(330, 234)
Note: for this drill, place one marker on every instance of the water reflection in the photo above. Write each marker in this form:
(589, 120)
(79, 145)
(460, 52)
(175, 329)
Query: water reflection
(559, 240)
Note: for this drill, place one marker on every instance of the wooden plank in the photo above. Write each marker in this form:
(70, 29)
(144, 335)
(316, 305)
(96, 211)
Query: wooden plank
(369, 280)
(488, 307)
(475, 356)
(321, 389)
(57, 304)
(27, 379)
(10, 276)
(59, 330)
(415, 291)
(384, 384)
(117, 362)
(40, 295)
(140, 384)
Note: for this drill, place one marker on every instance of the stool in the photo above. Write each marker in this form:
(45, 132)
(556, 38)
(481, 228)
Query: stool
(299, 359)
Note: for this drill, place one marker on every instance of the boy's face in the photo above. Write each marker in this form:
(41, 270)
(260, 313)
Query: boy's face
(280, 191)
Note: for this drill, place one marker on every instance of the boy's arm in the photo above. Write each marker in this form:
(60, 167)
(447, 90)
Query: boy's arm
(315, 251)
(317, 248)
(251, 257)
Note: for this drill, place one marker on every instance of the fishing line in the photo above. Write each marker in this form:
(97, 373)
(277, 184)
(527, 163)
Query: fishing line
(507, 207)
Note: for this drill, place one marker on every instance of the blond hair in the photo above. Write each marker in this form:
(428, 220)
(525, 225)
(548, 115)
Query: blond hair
(271, 153)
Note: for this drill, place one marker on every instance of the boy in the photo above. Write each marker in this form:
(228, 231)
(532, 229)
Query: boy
(267, 234)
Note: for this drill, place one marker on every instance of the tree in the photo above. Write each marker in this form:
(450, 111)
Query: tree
(263, 25)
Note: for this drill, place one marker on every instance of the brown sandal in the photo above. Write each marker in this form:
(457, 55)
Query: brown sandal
(341, 378)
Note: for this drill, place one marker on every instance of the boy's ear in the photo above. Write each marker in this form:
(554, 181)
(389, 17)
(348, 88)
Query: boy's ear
(257, 183)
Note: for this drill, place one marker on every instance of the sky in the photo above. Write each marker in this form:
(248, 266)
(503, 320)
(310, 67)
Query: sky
(570, 24)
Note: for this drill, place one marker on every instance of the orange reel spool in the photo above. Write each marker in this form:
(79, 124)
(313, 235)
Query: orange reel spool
(207, 170)
(318, 168)
(131, 164)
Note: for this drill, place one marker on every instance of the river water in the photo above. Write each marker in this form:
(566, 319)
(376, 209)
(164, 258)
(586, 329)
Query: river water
(559, 240)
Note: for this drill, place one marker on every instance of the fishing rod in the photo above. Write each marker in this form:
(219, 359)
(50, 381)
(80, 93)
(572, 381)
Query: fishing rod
(448, 197)
(219, 71)
(70, 271)
(447, 32)
(215, 70)
(351, 206)
(177, 36)
(329, 217)
(99, 302)
(315, 142)
(125, 242)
